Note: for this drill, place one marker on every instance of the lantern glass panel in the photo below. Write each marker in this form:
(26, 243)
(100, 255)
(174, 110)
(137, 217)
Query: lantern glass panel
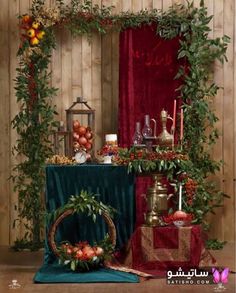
(80, 120)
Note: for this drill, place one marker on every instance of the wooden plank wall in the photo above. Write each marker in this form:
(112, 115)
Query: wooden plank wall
(91, 70)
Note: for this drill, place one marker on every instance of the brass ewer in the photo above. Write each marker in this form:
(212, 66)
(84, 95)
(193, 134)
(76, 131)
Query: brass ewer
(156, 202)
(165, 138)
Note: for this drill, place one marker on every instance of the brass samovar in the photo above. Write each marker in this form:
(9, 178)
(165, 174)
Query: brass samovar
(157, 199)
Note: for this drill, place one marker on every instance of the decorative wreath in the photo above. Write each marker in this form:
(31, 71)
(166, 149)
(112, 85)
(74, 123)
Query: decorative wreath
(82, 256)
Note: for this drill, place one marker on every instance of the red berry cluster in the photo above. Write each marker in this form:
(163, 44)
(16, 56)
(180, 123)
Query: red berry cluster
(152, 156)
(137, 155)
(108, 150)
(190, 187)
(88, 16)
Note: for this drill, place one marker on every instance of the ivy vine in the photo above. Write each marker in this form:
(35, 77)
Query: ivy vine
(35, 121)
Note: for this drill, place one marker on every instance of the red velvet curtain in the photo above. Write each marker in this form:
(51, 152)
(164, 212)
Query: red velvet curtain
(148, 65)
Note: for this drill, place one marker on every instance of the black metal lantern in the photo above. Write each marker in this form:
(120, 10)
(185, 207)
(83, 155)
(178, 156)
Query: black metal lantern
(81, 137)
(61, 140)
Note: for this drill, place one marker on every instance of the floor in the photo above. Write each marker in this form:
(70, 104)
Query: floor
(23, 265)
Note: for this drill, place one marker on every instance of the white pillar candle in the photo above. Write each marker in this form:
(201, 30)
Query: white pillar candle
(180, 197)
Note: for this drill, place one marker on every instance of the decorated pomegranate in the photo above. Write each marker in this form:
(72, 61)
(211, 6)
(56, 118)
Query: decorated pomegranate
(82, 140)
(76, 125)
(82, 136)
(180, 216)
(81, 130)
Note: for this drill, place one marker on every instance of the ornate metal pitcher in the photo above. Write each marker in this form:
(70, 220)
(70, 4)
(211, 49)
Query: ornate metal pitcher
(165, 138)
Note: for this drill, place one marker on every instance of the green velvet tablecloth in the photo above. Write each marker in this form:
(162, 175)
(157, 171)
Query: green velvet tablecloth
(115, 187)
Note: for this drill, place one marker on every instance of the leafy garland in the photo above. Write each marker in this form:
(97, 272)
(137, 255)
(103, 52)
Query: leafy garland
(140, 160)
(35, 121)
(82, 256)
(84, 203)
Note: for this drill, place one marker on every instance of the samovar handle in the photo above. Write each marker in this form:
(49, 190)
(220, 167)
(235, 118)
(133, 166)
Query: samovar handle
(169, 196)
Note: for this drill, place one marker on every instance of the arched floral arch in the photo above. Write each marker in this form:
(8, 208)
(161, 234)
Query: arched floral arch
(35, 121)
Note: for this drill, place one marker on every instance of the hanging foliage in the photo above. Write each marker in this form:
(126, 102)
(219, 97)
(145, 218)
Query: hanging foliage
(35, 121)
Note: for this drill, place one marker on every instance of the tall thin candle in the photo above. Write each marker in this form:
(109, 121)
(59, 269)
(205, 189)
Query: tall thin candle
(180, 197)
(181, 124)
(174, 115)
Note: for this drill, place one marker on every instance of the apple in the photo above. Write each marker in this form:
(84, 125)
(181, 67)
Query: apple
(34, 41)
(35, 25)
(31, 33)
(40, 35)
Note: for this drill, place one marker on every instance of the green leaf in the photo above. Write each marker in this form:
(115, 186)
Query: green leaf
(73, 265)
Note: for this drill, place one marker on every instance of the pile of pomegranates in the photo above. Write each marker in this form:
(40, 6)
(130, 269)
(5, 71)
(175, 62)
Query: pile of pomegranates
(83, 136)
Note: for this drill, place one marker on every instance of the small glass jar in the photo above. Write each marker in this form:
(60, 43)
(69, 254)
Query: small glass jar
(137, 138)
(147, 130)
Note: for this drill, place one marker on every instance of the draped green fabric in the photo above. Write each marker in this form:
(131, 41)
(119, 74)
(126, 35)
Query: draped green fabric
(113, 186)
(57, 274)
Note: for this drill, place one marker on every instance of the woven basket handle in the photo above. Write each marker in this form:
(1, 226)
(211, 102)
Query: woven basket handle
(66, 213)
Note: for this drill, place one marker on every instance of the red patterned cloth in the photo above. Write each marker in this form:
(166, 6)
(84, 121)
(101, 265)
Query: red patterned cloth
(155, 250)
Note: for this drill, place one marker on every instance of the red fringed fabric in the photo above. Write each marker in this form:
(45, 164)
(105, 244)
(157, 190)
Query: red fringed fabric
(155, 250)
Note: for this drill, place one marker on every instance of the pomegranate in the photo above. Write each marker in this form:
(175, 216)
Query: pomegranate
(88, 146)
(98, 250)
(81, 130)
(75, 136)
(79, 254)
(179, 215)
(82, 140)
(88, 135)
(76, 125)
(88, 252)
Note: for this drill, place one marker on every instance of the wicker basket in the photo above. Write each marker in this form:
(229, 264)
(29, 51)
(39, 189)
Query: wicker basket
(66, 213)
